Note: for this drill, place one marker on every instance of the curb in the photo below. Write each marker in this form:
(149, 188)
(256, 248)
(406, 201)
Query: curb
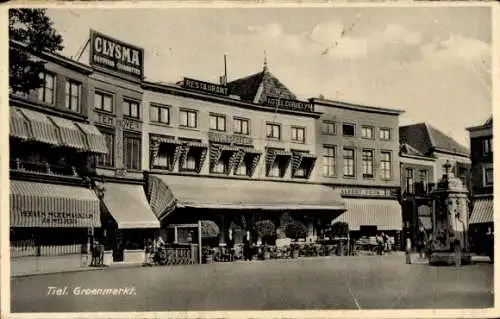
(63, 271)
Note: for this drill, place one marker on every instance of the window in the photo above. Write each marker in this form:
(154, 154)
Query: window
(329, 161)
(423, 179)
(190, 163)
(298, 134)
(188, 119)
(131, 109)
(488, 175)
(348, 162)
(164, 157)
(217, 122)
(410, 183)
(132, 152)
(107, 160)
(241, 126)
(385, 134)
(273, 131)
(367, 162)
(385, 165)
(367, 132)
(242, 170)
(159, 114)
(73, 95)
(329, 128)
(103, 102)
(275, 170)
(487, 146)
(46, 93)
(220, 167)
(348, 129)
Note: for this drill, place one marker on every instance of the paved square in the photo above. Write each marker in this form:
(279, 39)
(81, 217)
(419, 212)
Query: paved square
(369, 282)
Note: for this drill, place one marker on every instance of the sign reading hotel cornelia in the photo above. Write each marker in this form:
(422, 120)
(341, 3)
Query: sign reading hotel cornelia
(289, 104)
(116, 55)
(205, 87)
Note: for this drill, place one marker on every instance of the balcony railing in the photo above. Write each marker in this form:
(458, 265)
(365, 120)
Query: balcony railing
(418, 189)
(43, 168)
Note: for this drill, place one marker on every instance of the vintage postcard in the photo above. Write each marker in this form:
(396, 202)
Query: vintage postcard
(248, 161)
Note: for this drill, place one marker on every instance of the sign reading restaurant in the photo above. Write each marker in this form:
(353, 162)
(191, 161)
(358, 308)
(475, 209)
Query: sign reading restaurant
(289, 104)
(116, 55)
(205, 87)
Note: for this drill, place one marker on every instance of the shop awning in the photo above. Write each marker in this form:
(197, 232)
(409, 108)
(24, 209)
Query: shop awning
(42, 127)
(50, 205)
(18, 127)
(386, 214)
(95, 140)
(129, 207)
(482, 211)
(71, 135)
(167, 192)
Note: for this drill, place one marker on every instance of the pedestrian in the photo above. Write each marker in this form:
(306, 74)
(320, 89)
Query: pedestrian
(421, 241)
(95, 253)
(148, 251)
(380, 243)
(385, 243)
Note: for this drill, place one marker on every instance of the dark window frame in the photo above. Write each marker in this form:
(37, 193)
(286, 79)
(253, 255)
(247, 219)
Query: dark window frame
(158, 108)
(350, 159)
(345, 126)
(217, 117)
(272, 135)
(241, 120)
(187, 112)
(103, 95)
(68, 96)
(126, 155)
(296, 129)
(42, 90)
(127, 104)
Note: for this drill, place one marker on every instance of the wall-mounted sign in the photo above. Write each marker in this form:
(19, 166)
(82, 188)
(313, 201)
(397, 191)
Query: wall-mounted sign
(128, 124)
(365, 192)
(205, 87)
(54, 219)
(105, 119)
(289, 104)
(229, 139)
(116, 55)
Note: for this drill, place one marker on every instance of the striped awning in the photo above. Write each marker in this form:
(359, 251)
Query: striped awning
(128, 205)
(96, 141)
(154, 148)
(215, 154)
(42, 128)
(160, 197)
(384, 213)
(50, 205)
(482, 211)
(18, 126)
(71, 135)
(236, 160)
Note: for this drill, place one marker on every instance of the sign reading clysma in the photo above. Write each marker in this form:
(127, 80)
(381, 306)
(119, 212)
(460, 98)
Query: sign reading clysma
(116, 55)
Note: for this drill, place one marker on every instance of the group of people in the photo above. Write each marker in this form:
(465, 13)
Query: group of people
(383, 243)
(151, 247)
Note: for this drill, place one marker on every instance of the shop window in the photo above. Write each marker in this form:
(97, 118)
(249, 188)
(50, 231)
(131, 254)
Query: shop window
(164, 158)
(46, 93)
(367, 163)
(159, 114)
(103, 101)
(488, 175)
(385, 165)
(329, 128)
(348, 162)
(367, 132)
(329, 161)
(273, 131)
(131, 109)
(217, 122)
(241, 126)
(242, 170)
(73, 95)
(348, 129)
(132, 152)
(275, 170)
(385, 134)
(410, 183)
(298, 134)
(188, 119)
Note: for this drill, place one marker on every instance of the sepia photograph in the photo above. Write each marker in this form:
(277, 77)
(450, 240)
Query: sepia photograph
(190, 159)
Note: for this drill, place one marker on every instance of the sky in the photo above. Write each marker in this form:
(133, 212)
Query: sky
(433, 63)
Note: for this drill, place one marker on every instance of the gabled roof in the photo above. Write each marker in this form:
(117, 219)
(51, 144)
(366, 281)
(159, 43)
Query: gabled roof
(425, 139)
(486, 125)
(256, 87)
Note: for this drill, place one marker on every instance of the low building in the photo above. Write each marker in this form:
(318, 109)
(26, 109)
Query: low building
(481, 220)
(235, 154)
(53, 204)
(359, 148)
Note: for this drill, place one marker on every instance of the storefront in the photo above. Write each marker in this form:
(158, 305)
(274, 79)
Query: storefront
(481, 224)
(237, 204)
(370, 212)
(127, 222)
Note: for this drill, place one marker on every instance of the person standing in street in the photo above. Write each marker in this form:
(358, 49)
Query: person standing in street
(421, 242)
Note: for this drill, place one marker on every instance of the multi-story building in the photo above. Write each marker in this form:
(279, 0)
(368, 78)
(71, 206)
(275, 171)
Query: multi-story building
(359, 148)
(481, 221)
(53, 207)
(417, 180)
(234, 154)
(424, 152)
(115, 98)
